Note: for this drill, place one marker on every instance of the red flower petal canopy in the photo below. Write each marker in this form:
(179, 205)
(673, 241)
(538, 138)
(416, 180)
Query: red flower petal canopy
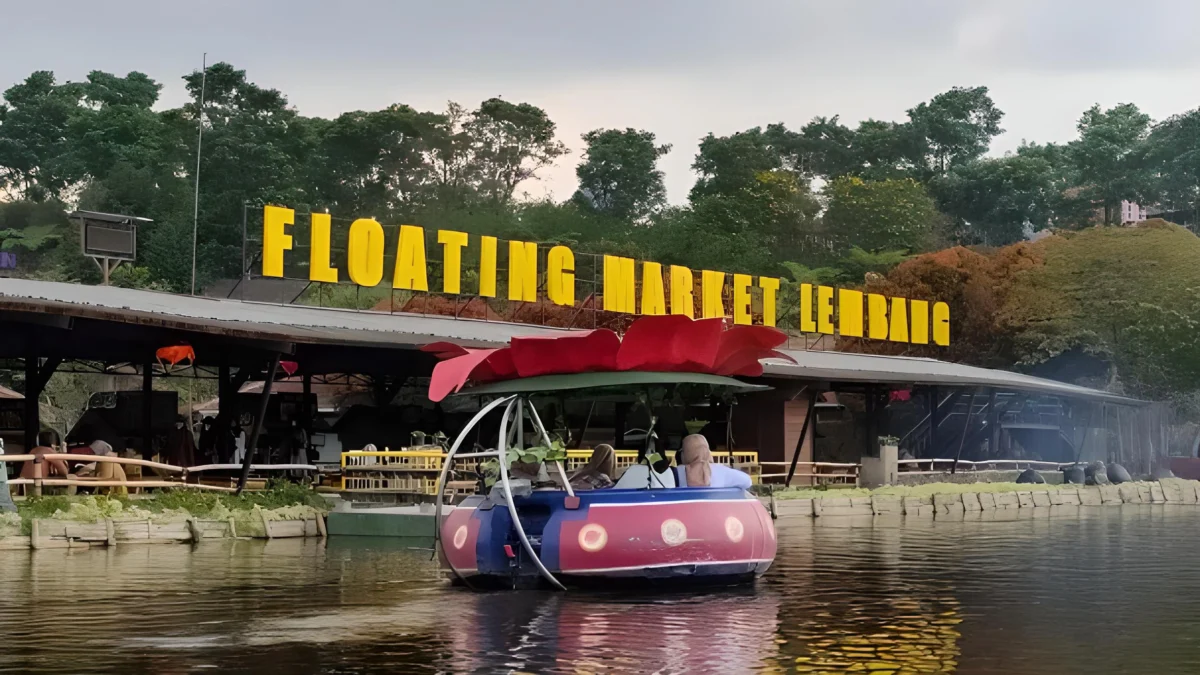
(653, 343)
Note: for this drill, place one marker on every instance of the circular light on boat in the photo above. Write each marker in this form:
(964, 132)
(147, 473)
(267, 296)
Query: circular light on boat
(734, 529)
(592, 537)
(460, 536)
(674, 532)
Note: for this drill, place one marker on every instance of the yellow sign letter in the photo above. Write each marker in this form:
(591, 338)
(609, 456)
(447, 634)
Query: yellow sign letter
(770, 287)
(487, 267)
(452, 245)
(522, 271)
(825, 310)
(683, 300)
(560, 276)
(364, 254)
(850, 313)
(711, 285)
(941, 324)
(318, 250)
(276, 240)
(653, 298)
(620, 289)
(807, 323)
(741, 299)
(877, 323)
(410, 273)
(919, 309)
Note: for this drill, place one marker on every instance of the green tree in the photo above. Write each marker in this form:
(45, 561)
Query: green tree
(730, 164)
(876, 215)
(1173, 151)
(996, 200)
(372, 163)
(1110, 157)
(619, 174)
(511, 142)
(35, 143)
(956, 127)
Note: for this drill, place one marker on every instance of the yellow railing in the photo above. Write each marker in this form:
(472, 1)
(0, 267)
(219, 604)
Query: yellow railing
(412, 470)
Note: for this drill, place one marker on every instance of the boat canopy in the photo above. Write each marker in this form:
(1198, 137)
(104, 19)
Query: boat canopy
(611, 383)
(663, 348)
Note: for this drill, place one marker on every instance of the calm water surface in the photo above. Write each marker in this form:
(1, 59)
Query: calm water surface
(1111, 590)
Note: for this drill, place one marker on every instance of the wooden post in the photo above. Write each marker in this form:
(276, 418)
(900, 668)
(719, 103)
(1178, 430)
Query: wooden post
(38, 468)
(147, 410)
(252, 448)
(110, 532)
(966, 428)
(994, 421)
(935, 420)
(35, 537)
(808, 420)
(32, 394)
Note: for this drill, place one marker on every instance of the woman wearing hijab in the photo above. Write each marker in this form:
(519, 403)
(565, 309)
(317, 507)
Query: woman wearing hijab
(597, 473)
(696, 467)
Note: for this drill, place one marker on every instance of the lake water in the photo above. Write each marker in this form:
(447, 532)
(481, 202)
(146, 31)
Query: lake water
(1108, 590)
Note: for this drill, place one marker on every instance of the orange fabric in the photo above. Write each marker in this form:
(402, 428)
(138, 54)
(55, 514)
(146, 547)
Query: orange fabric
(174, 355)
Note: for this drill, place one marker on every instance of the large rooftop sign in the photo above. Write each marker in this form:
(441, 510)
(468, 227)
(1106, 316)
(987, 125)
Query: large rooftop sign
(471, 264)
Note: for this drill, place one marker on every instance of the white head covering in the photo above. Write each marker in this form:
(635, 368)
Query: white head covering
(101, 448)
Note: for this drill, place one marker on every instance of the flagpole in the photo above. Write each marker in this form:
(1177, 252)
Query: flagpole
(199, 142)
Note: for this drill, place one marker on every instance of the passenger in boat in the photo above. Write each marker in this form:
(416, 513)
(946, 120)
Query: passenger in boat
(642, 475)
(597, 473)
(697, 469)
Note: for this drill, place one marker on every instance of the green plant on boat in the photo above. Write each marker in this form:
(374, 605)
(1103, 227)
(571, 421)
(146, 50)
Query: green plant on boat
(531, 457)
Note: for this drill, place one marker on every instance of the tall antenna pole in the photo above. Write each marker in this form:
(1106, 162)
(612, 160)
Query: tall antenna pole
(199, 141)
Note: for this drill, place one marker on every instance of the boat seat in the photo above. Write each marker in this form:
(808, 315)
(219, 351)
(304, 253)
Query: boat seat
(638, 476)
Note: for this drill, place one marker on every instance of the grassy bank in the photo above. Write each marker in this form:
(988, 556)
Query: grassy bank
(926, 490)
(280, 501)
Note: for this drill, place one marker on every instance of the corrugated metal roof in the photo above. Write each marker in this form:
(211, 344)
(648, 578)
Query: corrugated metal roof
(849, 367)
(285, 323)
(295, 323)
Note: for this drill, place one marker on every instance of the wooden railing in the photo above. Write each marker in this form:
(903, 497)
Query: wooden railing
(918, 466)
(40, 480)
(818, 473)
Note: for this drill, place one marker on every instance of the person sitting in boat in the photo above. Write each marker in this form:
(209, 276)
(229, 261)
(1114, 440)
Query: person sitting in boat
(597, 473)
(696, 467)
(647, 473)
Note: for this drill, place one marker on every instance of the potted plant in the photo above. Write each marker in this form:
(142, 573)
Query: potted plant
(529, 461)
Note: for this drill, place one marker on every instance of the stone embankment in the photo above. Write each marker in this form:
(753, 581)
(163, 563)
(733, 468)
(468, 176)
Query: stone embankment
(1168, 491)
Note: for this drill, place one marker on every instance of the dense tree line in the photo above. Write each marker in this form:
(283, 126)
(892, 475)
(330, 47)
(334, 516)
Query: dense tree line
(825, 200)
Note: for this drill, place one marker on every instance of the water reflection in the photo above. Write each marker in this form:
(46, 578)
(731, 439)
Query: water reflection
(1108, 592)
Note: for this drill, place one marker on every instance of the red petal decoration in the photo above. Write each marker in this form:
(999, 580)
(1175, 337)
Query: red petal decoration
(571, 353)
(445, 350)
(741, 348)
(672, 343)
(450, 375)
(289, 367)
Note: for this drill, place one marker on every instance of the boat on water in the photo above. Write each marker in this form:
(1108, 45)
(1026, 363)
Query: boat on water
(531, 528)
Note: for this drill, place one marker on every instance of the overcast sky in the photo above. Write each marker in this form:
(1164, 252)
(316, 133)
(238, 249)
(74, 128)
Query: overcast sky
(679, 68)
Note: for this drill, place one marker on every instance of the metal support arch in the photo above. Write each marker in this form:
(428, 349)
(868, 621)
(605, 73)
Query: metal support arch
(449, 462)
(512, 505)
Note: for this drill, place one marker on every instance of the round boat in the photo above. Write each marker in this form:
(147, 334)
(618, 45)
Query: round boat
(693, 535)
(523, 534)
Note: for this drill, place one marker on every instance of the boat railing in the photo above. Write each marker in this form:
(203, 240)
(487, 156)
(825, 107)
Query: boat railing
(414, 470)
